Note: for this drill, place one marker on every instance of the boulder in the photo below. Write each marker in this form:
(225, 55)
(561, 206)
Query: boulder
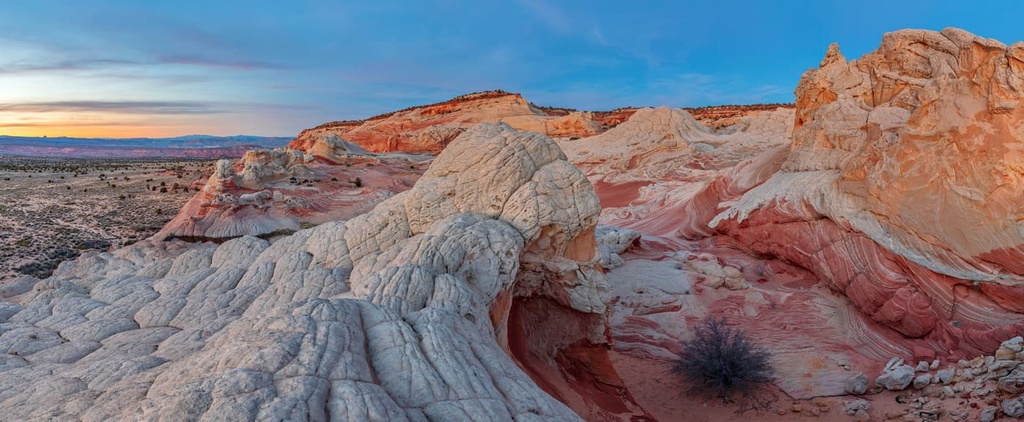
(922, 381)
(896, 376)
(1013, 408)
(1013, 382)
(857, 385)
(1009, 349)
(988, 414)
(945, 376)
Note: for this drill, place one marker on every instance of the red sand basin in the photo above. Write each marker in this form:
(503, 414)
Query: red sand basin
(618, 195)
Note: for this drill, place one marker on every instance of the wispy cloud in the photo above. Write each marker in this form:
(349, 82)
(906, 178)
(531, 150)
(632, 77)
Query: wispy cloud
(113, 65)
(597, 35)
(62, 66)
(64, 123)
(227, 64)
(554, 18)
(124, 107)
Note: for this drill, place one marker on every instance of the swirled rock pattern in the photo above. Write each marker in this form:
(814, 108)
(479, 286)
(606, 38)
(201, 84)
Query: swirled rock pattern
(407, 312)
(904, 184)
(884, 220)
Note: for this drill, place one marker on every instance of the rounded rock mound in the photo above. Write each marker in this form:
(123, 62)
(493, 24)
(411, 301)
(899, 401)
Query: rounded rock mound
(402, 313)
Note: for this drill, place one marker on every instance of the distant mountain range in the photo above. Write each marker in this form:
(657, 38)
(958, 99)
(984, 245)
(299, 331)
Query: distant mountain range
(191, 146)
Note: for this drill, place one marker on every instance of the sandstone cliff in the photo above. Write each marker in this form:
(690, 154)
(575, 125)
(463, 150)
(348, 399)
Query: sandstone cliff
(429, 128)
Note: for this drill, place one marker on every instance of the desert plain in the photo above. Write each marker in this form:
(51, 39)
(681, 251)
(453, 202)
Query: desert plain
(55, 208)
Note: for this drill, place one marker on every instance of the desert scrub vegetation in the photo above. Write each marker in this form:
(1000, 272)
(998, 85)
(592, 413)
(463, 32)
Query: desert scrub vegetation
(72, 206)
(722, 362)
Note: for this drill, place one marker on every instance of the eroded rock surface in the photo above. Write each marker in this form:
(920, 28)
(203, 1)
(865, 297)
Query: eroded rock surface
(429, 128)
(282, 190)
(885, 224)
(903, 185)
(407, 312)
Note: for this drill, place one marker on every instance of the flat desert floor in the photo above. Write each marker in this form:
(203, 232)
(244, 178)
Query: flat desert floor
(52, 210)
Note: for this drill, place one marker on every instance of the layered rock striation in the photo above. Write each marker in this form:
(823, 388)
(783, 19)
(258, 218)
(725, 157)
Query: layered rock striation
(429, 128)
(903, 186)
(880, 215)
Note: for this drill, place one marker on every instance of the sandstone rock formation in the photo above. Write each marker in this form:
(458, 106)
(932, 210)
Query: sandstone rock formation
(417, 310)
(660, 157)
(887, 227)
(428, 129)
(903, 183)
(279, 191)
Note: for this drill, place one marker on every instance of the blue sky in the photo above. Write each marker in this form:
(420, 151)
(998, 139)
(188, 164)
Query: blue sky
(130, 68)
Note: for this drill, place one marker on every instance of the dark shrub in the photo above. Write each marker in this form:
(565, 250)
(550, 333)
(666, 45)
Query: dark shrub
(721, 361)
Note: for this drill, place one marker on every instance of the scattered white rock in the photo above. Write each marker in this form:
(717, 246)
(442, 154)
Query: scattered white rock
(1013, 408)
(612, 242)
(1013, 382)
(857, 384)
(922, 381)
(896, 375)
(948, 392)
(988, 414)
(857, 407)
(922, 366)
(945, 376)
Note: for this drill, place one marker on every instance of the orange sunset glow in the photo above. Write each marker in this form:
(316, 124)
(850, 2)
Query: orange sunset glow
(96, 125)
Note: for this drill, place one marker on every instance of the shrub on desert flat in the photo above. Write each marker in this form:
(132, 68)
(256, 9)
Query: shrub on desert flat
(720, 361)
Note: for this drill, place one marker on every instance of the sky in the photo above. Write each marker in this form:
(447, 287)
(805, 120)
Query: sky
(92, 68)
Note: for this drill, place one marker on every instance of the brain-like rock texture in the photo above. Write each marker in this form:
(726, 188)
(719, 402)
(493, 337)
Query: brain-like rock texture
(428, 307)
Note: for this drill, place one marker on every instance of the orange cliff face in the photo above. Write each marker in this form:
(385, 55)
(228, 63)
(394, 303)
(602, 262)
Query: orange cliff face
(429, 128)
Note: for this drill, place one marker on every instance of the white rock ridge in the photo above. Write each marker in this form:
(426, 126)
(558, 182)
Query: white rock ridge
(398, 314)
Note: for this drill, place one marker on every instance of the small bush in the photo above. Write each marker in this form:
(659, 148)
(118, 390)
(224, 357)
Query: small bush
(358, 182)
(721, 361)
